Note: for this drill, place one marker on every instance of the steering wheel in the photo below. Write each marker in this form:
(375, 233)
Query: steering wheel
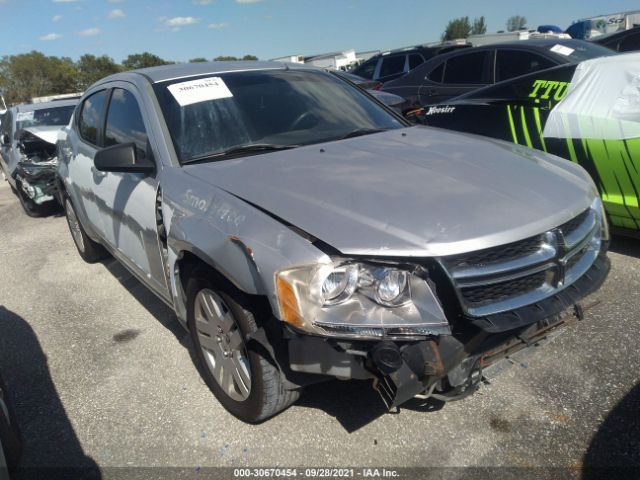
(300, 119)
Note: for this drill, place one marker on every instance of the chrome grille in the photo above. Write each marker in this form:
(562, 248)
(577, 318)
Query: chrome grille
(503, 278)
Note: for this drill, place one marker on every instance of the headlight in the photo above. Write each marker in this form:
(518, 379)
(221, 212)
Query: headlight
(362, 299)
(598, 207)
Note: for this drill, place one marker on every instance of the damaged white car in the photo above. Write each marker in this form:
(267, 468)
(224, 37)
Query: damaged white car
(28, 151)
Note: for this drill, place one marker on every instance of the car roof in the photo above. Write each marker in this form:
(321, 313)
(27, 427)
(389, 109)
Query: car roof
(184, 70)
(29, 107)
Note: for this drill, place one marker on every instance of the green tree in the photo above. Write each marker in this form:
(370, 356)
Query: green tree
(515, 23)
(479, 26)
(197, 60)
(250, 57)
(92, 68)
(225, 58)
(142, 60)
(34, 74)
(457, 28)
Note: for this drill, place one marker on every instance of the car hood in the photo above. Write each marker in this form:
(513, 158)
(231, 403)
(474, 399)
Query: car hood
(409, 192)
(47, 133)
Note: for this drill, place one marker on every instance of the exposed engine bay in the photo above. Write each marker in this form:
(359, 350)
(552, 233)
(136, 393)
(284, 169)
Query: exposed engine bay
(35, 171)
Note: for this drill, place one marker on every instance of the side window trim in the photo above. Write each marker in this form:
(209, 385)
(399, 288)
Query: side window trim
(103, 118)
(149, 150)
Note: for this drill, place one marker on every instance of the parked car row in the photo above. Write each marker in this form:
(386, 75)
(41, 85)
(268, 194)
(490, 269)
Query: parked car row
(302, 231)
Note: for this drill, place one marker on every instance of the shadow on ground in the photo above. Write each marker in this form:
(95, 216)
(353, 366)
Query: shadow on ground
(614, 451)
(51, 447)
(625, 246)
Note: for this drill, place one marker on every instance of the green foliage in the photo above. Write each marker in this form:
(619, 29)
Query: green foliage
(515, 23)
(34, 74)
(457, 28)
(462, 28)
(479, 26)
(198, 60)
(227, 58)
(92, 68)
(142, 60)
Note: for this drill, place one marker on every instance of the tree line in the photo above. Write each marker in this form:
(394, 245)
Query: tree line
(462, 27)
(35, 74)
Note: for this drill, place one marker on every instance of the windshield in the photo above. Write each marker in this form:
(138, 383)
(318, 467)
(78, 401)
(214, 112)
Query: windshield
(579, 50)
(210, 115)
(55, 116)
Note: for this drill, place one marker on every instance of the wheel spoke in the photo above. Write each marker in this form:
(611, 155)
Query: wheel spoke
(226, 321)
(227, 378)
(209, 343)
(235, 340)
(241, 375)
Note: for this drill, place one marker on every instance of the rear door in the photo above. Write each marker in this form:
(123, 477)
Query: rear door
(512, 63)
(128, 200)
(458, 75)
(392, 67)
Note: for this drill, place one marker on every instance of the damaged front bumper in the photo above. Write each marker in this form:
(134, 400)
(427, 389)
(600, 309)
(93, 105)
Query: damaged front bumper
(37, 180)
(447, 367)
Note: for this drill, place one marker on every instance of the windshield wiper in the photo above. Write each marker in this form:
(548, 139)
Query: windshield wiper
(361, 131)
(240, 149)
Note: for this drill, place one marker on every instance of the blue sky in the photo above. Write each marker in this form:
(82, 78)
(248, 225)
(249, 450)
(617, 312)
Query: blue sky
(183, 29)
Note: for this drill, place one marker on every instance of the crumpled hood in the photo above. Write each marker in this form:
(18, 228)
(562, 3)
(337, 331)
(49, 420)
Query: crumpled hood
(47, 133)
(409, 192)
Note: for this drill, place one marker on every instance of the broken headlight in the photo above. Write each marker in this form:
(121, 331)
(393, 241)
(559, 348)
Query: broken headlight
(347, 298)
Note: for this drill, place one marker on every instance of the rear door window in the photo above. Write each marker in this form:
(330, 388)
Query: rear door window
(469, 68)
(392, 65)
(436, 74)
(630, 44)
(367, 69)
(415, 60)
(515, 63)
(124, 122)
(91, 116)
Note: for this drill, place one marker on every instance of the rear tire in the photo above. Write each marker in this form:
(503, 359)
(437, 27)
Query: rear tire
(244, 379)
(90, 251)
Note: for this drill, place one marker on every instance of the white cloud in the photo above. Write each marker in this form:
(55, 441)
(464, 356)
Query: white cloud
(51, 36)
(89, 32)
(181, 21)
(56, 18)
(116, 13)
(202, 2)
(218, 26)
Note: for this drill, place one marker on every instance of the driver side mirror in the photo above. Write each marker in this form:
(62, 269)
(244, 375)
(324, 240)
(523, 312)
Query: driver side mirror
(122, 158)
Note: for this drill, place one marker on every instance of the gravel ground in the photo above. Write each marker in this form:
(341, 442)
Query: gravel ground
(101, 375)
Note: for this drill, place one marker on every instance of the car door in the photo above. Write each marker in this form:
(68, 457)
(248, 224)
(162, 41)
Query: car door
(459, 74)
(88, 128)
(128, 200)
(512, 63)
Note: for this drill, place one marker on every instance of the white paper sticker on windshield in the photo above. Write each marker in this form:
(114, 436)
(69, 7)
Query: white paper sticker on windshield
(196, 91)
(22, 116)
(562, 50)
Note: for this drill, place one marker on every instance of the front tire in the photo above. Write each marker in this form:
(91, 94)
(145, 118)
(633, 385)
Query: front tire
(244, 380)
(90, 251)
(10, 439)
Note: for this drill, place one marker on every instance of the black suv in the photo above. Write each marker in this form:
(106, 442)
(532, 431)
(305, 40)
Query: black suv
(391, 65)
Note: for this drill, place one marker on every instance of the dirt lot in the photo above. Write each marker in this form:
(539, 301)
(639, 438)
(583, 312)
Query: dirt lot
(101, 375)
